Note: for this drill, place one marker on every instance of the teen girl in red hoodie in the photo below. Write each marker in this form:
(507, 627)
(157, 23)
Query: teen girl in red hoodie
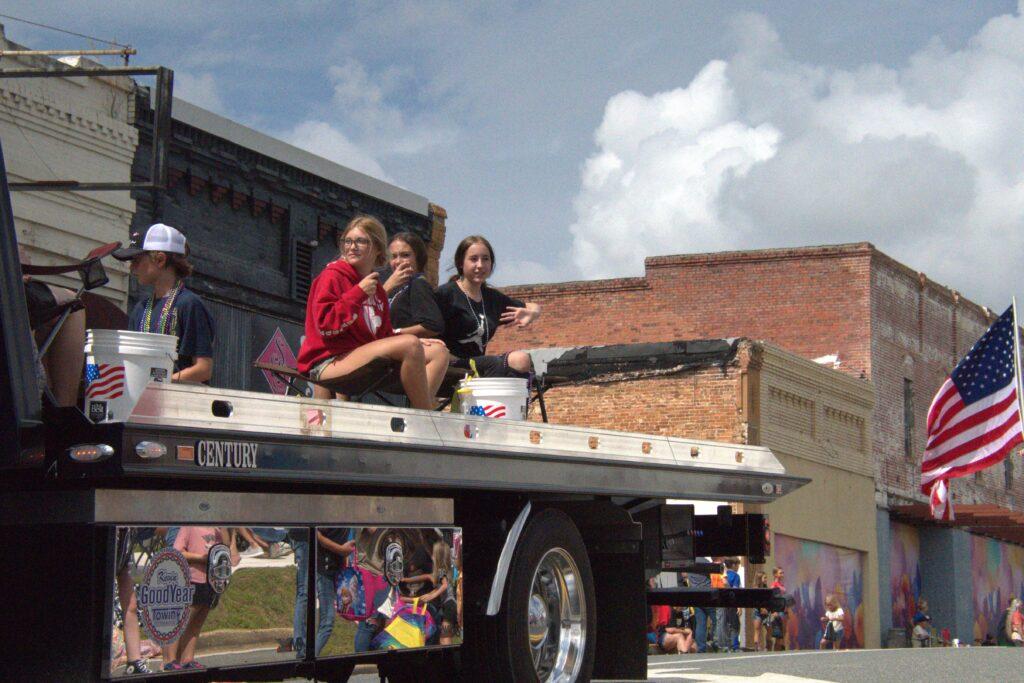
(348, 325)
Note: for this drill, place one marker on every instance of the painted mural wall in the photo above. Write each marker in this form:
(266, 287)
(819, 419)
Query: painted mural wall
(904, 573)
(813, 570)
(997, 571)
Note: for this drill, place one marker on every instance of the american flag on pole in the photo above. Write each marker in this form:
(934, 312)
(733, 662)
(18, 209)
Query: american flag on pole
(975, 419)
(103, 381)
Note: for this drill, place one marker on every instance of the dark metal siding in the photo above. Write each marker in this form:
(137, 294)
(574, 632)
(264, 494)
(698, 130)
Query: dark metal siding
(259, 231)
(241, 336)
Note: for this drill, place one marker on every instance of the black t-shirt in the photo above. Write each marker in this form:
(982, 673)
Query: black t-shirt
(413, 304)
(328, 560)
(190, 322)
(419, 563)
(468, 324)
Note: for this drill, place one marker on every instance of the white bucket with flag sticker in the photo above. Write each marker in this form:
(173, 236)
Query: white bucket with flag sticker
(497, 397)
(118, 366)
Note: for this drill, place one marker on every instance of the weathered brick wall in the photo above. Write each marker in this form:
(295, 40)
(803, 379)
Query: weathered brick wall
(921, 330)
(811, 301)
(438, 216)
(886, 321)
(702, 404)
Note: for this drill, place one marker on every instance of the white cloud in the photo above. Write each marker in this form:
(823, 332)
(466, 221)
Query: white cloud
(199, 89)
(362, 128)
(662, 165)
(327, 141)
(366, 105)
(760, 150)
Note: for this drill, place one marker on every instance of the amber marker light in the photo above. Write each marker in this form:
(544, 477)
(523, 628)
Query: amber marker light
(90, 452)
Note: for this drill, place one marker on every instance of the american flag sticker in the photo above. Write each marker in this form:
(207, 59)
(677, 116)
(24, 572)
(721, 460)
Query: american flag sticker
(314, 417)
(104, 381)
(488, 409)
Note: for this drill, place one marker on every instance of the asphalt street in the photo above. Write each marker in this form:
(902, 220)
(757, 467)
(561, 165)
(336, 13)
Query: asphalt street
(932, 665)
(935, 665)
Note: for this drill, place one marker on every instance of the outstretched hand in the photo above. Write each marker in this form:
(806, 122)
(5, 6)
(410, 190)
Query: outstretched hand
(520, 317)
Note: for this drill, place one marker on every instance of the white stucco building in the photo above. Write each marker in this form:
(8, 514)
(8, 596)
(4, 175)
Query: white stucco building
(56, 128)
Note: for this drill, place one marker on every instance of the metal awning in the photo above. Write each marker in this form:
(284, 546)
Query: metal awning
(990, 520)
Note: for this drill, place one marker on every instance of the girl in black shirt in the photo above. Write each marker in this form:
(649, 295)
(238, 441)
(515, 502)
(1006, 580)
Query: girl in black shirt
(472, 312)
(411, 298)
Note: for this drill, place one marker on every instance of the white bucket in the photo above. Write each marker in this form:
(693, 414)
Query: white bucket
(118, 366)
(498, 397)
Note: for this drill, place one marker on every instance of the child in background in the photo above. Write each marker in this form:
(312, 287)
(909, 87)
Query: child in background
(194, 543)
(443, 594)
(760, 616)
(135, 664)
(833, 622)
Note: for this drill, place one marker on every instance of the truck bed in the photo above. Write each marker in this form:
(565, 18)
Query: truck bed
(217, 433)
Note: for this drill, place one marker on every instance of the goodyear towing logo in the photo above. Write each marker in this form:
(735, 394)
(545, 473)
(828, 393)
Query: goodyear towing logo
(230, 454)
(164, 596)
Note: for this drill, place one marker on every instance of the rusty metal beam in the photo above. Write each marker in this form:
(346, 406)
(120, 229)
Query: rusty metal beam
(74, 185)
(64, 71)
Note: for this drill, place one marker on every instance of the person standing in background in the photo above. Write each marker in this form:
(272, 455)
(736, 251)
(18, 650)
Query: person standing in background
(700, 614)
(777, 620)
(760, 616)
(732, 617)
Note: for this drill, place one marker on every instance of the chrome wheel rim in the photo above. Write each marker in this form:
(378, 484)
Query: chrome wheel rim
(556, 614)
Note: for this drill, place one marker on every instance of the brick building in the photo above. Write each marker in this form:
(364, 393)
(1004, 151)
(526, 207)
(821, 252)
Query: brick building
(886, 323)
(815, 420)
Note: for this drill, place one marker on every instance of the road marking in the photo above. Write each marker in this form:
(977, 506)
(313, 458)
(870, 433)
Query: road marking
(722, 678)
(794, 653)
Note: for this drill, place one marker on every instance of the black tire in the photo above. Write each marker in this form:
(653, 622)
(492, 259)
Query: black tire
(549, 534)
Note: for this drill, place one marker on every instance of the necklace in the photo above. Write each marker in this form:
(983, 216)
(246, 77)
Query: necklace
(406, 287)
(163, 326)
(482, 327)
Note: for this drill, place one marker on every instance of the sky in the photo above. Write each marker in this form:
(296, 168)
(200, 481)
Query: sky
(581, 137)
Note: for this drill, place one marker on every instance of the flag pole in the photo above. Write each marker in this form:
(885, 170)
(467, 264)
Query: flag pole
(1016, 361)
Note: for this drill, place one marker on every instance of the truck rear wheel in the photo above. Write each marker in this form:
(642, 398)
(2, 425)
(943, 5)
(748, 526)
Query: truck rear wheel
(549, 618)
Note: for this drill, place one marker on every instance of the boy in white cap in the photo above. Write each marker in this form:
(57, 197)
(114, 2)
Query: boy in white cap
(159, 260)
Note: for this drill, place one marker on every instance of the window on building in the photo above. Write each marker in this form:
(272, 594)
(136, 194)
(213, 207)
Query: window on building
(302, 269)
(908, 418)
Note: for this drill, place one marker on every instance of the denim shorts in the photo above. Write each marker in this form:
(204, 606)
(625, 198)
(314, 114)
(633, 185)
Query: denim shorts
(317, 370)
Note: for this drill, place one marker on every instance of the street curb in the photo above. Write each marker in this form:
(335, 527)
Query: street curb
(237, 638)
(234, 638)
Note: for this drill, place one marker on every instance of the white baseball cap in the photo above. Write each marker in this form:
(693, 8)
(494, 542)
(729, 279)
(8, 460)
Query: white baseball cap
(158, 237)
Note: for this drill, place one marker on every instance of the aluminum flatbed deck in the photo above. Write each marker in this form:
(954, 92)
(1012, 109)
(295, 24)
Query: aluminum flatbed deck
(215, 433)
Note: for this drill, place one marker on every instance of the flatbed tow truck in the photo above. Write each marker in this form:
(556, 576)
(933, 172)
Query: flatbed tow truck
(554, 528)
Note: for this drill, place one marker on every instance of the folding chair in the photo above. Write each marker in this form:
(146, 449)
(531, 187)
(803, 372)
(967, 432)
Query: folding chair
(380, 374)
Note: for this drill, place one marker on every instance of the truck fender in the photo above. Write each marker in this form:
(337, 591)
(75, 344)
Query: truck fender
(504, 560)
